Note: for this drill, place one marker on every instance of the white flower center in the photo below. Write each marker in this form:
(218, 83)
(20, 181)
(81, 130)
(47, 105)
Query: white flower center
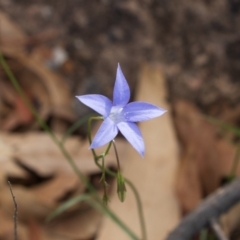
(116, 114)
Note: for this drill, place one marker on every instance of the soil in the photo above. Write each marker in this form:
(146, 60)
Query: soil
(196, 42)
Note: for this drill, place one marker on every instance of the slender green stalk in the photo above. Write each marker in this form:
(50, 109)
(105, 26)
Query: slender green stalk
(108, 149)
(116, 153)
(103, 180)
(43, 124)
(113, 174)
(139, 208)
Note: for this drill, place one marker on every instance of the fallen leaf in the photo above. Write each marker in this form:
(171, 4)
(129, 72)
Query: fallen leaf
(77, 225)
(42, 179)
(205, 157)
(53, 191)
(48, 92)
(38, 152)
(11, 35)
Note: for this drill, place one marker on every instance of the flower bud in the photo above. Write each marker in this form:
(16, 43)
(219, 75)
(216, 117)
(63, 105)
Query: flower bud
(121, 188)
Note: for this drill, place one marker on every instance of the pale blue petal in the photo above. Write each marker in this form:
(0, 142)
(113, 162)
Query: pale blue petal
(121, 92)
(132, 133)
(107, 132)
(98, 103)
(141, 111)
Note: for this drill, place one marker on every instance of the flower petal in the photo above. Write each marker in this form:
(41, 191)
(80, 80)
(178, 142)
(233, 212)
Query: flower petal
(97, 102)
(141, 111)
(132, 133)
(121, 92)
(107, 132)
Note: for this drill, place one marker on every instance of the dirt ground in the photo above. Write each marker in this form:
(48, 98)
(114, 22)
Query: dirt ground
(196, 42)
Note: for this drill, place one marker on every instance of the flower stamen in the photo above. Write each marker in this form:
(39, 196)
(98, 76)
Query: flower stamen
(116, 114)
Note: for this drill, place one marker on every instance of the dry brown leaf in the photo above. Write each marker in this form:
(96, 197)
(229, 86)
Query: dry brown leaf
(20, 116)
(47, 91)
(34, 155)
(7, 165)
(38, 152)
(11, 34)
(19, 113)
(54, 190)
(35, 230)
(206, 157)
(29, 206)
(77, 225)
(6, 229)
(189, 187)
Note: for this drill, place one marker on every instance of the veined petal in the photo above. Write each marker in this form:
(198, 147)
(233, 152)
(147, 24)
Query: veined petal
(97, 102)
(107, 132)
(132, 133)
(141, 111)
(121, 91)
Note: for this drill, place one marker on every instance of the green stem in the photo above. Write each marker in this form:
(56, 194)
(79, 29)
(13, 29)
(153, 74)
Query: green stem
(108, 148)
(116, 153)
(43, 124)
(113, 174)
(103, 178)
(139, 207)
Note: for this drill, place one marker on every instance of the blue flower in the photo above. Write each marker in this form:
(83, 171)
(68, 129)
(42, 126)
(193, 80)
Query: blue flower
(119, 115)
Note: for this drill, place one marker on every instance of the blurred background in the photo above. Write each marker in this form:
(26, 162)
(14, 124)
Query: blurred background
(60, 49)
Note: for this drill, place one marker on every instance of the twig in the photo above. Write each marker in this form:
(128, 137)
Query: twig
(15, 216)
(215, 205)
(214, 224)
